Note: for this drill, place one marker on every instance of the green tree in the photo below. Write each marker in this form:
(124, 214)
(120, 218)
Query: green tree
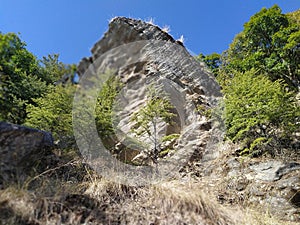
(213, 61)
(269, 43)
(20, 79)
(104, 108)
(259, 112)
(53, 112)
(24, 78)
(156, 109)
(52, 70)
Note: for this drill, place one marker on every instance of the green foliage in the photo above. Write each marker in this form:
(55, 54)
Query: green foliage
(256, 146)
(52, 70)
(258, 110)
(20, 79)
(260, 77)
(269, 43)
(213, 61)
(170, 137)
(202, 110)
(53, 112)
(295, 16)
(23, 78)
(104, 109)
(156, 109)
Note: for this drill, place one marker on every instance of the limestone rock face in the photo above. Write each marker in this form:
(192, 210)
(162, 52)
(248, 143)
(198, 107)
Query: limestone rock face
(19, 146)
(139, 52)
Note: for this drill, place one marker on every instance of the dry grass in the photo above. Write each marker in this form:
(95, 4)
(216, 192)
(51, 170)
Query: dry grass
(104, 202)
(165, 203)
(70, 193)
(255, 217)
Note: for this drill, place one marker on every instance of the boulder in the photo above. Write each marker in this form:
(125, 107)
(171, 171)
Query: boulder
(19, 147)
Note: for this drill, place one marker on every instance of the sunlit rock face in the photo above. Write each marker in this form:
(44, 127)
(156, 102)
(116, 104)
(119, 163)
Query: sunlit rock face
(122, 31)
(140, 53)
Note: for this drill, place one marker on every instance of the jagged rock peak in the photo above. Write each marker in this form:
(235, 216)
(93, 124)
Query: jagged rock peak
(146, 30)
(123, 30)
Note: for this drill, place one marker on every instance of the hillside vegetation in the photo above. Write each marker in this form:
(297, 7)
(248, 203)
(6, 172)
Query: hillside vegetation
(260, 77)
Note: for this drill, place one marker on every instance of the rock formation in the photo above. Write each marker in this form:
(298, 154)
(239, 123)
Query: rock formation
(272, 183)
(139, 52)
(19, 147)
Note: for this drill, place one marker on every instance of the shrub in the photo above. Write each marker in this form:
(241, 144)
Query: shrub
(259, 112)
(53, 112)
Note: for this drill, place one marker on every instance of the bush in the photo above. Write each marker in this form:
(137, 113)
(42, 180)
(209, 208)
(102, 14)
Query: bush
(259, 112)
(104, 107)
(53, 112)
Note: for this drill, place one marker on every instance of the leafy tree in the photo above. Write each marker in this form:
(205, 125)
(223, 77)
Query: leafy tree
(53, 112)
(104, 107)
(259, 111)
(20, 80)
(213, 61)
(52, 70)
(23, 77)
(269, 43)
(156, 109)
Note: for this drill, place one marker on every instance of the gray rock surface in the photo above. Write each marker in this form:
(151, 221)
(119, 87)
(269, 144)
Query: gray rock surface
(18, 146)
(139, 52)
(273, 185)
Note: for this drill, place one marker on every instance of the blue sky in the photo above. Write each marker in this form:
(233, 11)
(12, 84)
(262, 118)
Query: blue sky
(70, 28)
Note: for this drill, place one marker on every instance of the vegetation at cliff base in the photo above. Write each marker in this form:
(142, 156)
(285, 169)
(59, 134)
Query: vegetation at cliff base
(259, 113)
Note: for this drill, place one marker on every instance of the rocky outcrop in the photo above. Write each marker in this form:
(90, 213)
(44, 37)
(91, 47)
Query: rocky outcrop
(153, 53)
(122, 31)
(270, 185)
(20, 146)
(139, 52)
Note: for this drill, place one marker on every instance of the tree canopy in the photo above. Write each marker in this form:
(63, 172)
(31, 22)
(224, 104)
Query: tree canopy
(23, 77)
(270, 43)
(260, 77)
(259, 112)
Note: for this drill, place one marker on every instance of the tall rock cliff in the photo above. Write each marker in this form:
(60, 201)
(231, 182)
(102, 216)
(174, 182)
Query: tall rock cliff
(140, 53)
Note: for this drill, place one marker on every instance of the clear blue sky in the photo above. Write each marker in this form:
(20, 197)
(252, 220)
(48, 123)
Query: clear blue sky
(71, 27)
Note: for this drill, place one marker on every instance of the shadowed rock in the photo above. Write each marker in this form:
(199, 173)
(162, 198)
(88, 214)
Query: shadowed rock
(18, 146)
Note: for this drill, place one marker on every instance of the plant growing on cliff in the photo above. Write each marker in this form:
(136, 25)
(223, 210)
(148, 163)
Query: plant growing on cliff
(104, 108)
(157, 109)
